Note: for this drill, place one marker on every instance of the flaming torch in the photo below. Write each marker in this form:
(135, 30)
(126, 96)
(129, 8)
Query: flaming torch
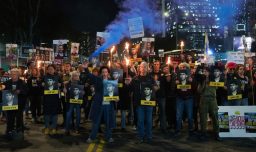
(127, 49)
(111, 53)
(168, 61)
(181, 46)
(127, 62)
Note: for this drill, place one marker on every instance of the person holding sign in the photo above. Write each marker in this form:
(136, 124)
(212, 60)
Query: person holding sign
(74, 90)
(144, 108)
(51, 104)
(234, 92)
(14, 98)
(184, 100)
(208, 104)
(100, 108)
(244, 81)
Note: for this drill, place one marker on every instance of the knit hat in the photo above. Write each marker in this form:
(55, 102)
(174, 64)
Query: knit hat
(230, 65)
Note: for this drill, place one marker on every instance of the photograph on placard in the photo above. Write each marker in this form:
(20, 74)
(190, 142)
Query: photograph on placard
(148, 47)
(51, 85)
(110, 90)
(217, 76)
(76, 94)
(11, 51)
(147, 94)
(234, 89)
(101, 38)
(117, 74)
(10, 100)
(223, 118)
(250, 122)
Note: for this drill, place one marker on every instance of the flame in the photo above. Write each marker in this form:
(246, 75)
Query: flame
(38, 64)
(127, 61)
(168, 60)
(109, 64)
(126, 45)
(112, 49)
(181, 43)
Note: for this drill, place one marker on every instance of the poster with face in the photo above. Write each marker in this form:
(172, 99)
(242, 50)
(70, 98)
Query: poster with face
(135, 53)
(75, 52)
(12, 51)
(250, 61)
(110, 90)
(250, 122)
(217, 77)
(10, 100)
(117, 74)
(60, 50)
(234, 89)
(223, 119)
(51, 85)
(183, 80)
(76, 94)
(101, 38)
(147, 95)
(148, 47)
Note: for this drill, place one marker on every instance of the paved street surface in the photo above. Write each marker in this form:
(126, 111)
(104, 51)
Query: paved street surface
(35, 141)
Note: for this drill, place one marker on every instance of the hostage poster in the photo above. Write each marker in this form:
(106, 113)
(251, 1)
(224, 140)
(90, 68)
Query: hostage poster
(11, 51)
(74, 52)
(110, 90)
(147, 95)
(76, 94)
(60, 50)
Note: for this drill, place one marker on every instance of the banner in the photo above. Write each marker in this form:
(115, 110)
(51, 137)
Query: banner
(10, 100)
(12, 51)
(110, 91)
(147, 95)
(76, 94)
(148, 47)
(117, 74)
(237, 121)
(136, 28)
(43, 54)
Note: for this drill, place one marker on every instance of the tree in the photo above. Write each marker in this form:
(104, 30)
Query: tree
(18, 18)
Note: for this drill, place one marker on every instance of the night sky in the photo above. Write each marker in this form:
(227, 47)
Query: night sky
(62, 18)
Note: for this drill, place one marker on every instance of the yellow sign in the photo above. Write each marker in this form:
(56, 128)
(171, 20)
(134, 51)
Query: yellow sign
(179, 86)
(62, 94)
(14, 107)
(136, 60)
(76, 101)
(120, 85)
(51, 91)
(216, 84)
(239, 96)
(148, 103)
(89, 98)
(114, 98)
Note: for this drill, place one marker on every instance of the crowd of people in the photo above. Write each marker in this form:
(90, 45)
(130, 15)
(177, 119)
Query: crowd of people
(180, 93)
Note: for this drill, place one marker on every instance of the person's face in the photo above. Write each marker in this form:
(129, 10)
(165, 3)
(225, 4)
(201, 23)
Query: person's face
(206, 73)
(189, 58)
(250, 61)
(157, 66)
(67, 67)
(183, 76)
(142, 69)
(51, 70)
(166, 70)
(34, 72)
(104, 73)
(230, 70)
(76, 91)
(134, 51)
(147, 91)
(50, 82)
(14, 75)
(110, 88)
(241, 70)
(216, 73)
(75, 77)
(148, 45)
(92, 89)
(115, 75)
(9, 97)
(233, 87)
(75, 50)
(60, 48)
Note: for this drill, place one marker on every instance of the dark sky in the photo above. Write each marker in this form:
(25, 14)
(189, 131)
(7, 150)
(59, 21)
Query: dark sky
(57, 18)
(62, 17)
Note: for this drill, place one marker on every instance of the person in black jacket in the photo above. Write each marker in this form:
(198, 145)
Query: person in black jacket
(35, 94)
(14, 128)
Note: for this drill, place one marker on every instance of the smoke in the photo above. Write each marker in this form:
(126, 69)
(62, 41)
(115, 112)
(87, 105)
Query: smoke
(118, 29)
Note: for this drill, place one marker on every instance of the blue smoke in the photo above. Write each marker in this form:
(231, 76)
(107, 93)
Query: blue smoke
(118, 29)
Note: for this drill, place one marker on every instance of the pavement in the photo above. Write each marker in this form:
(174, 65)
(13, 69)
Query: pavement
(35, 141)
